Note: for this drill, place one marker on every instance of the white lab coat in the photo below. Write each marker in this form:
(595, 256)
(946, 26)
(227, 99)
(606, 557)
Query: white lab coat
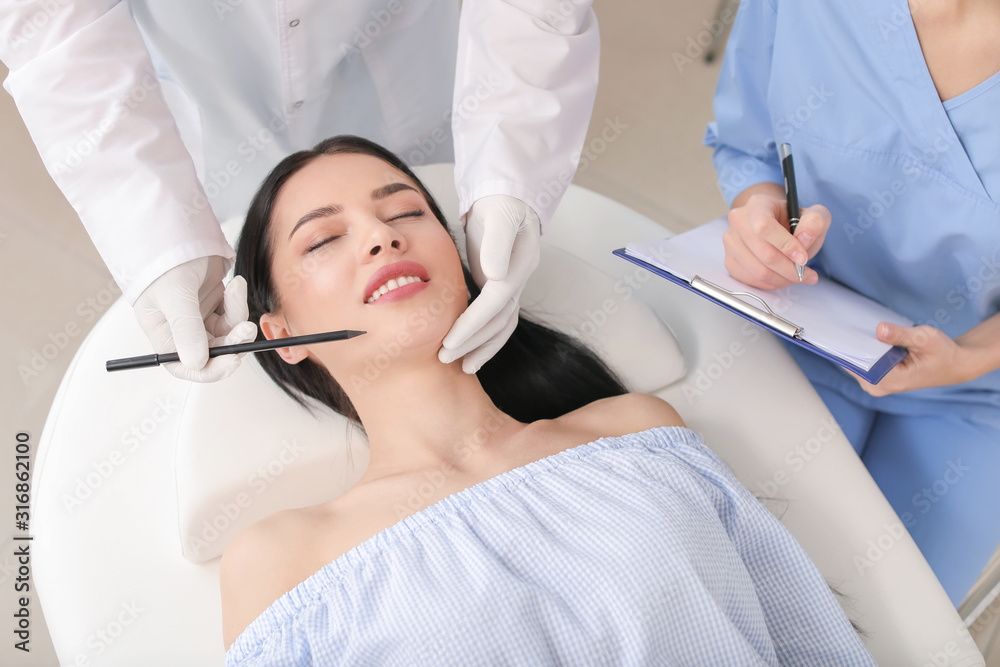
(157, 118)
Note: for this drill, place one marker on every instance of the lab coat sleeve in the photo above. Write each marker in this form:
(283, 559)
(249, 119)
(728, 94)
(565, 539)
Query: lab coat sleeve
(525, 84)
(84, 84)
(742, 133)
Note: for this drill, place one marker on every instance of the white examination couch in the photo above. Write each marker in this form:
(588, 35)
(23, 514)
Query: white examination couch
(141, 479)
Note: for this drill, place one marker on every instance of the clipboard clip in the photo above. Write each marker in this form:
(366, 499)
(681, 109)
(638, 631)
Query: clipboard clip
(765, 316)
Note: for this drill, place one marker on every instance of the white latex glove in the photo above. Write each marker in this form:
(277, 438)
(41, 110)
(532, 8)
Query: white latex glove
(503, 239)
(187, 309)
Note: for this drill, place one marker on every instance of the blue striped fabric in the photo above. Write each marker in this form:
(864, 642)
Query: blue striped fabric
(637, 550)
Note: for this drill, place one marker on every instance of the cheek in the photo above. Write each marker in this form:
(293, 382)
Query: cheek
(316, 295)
(452, 292)
(446, 258)
(291, 278)
(450, 299)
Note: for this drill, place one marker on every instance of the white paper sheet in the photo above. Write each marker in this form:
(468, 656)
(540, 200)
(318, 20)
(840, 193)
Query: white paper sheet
(834, 318)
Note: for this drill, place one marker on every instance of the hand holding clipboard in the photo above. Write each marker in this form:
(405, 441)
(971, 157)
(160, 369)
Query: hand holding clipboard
(827, 318)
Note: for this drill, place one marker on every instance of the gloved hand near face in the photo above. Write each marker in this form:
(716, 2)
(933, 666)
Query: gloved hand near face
(503, 240)
(187, 309)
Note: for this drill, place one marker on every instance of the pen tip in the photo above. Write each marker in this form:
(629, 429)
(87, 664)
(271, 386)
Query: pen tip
(352, 334)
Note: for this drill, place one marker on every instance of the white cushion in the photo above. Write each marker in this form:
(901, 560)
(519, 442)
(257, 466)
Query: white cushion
(572, 296)
(245, 449)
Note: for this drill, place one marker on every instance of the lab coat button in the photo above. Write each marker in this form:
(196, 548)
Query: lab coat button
(298, 104)
(293, 23)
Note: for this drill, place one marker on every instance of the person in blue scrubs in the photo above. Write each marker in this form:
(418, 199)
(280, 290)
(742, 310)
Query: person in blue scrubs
(893, 115)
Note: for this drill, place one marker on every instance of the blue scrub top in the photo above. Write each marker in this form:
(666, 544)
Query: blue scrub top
(913, 184)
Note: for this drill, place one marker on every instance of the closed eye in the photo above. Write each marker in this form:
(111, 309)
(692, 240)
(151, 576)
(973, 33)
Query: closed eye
(409, 214)
(323, 242)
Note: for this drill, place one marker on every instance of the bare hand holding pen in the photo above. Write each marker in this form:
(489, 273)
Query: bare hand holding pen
(759, 249)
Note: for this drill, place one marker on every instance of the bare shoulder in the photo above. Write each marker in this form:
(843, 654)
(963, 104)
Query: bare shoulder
(259, 566)
(620, 415)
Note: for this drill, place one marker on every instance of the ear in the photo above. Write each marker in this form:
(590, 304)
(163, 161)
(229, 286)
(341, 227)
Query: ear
(274, 327)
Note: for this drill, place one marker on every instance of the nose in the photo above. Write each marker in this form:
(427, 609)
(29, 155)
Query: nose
(377, 248)
(383, 238)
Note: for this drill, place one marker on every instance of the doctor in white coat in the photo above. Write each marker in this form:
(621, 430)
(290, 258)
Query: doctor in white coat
(158, 118)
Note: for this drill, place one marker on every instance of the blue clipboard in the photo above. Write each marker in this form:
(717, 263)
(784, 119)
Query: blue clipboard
(776, 325)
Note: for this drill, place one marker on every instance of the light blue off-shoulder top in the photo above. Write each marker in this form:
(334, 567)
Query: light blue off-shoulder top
(635, 550)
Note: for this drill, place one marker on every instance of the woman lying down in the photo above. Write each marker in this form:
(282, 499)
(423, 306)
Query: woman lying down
(563, 521)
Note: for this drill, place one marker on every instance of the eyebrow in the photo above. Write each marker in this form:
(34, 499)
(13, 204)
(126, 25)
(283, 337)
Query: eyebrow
(391, 189)
(321, 212)
(334, 209)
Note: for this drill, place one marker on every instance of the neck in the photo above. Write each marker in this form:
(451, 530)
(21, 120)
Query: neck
(425, 414)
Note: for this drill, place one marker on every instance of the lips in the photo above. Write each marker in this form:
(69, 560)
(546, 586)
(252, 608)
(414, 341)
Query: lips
(393, 271)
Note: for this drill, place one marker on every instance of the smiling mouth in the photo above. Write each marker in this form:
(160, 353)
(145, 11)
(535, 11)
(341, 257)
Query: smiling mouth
(392, 284)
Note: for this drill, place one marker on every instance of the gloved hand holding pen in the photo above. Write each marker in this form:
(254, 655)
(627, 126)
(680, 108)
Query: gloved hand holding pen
(187, 309)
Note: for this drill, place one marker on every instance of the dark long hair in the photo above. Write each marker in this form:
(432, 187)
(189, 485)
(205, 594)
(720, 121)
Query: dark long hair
(539, 374)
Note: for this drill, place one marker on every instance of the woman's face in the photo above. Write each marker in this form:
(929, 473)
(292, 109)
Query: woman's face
(355, 246)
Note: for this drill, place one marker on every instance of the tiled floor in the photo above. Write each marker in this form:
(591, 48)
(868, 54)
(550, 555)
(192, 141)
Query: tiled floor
(654, 90)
